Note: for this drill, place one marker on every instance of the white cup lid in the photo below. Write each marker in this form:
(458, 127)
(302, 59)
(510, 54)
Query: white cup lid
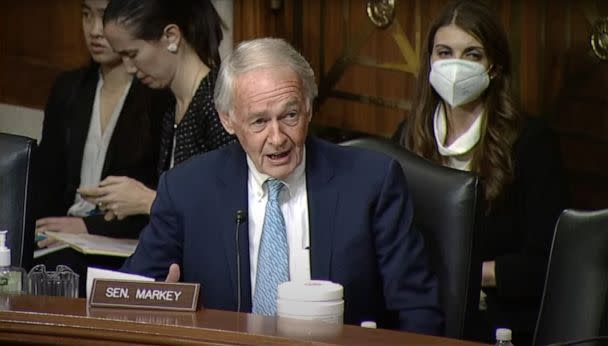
(369, 324)
(310, 291)
(503, 334)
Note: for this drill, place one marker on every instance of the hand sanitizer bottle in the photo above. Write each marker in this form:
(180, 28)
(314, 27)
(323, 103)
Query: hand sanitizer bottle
(11, 278)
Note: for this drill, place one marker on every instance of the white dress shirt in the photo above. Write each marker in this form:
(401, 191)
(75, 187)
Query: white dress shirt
(293, 200)
(95, 148)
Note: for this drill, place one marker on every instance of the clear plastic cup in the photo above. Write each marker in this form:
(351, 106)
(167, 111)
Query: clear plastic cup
(62, 282)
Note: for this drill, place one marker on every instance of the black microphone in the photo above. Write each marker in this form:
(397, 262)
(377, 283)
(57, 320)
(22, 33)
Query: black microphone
(581, 341)
(240, 217)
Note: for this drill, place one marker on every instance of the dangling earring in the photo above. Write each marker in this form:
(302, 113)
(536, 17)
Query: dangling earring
(493, 71)
(172, 47)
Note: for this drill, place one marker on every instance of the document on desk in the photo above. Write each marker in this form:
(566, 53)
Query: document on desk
(91, 244)
(98, 273)
(50, 249)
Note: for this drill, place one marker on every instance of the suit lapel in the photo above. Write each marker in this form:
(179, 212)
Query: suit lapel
(122, 130)
(322, 201)
(233, 177)
(81, 110)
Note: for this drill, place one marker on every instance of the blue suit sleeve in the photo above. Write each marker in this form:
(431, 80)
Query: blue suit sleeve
(160, 243)
(409, 285)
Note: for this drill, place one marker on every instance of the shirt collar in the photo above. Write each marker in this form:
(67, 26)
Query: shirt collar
(294, 181)
(462, 144)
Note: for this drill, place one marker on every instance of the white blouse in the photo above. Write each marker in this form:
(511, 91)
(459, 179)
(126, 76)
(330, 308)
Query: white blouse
(95, 148)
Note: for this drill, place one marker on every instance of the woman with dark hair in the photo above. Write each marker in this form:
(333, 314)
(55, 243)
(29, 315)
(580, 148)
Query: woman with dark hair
(465, 118)
(166, 44)
(98, 121)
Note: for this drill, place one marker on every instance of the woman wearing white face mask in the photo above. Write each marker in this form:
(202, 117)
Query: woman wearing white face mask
(465, 118)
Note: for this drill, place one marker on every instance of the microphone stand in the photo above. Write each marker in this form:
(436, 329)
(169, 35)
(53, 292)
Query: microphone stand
(240, 217)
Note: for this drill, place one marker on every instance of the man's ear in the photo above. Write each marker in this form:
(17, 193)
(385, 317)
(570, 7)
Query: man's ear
(172, 37)
(309, 110)
(226, 120)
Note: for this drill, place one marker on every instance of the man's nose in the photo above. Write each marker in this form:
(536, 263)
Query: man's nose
(276, 135)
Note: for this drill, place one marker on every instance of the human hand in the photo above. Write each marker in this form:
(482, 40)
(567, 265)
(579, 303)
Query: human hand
(174, 273)
(67, 224)
(120, 197)
(488, 274)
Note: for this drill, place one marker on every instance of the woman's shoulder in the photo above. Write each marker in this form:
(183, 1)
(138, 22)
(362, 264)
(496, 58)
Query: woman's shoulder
(202, 103)
(76, 76)
(535, 130)
(537, 148)
(70, 85)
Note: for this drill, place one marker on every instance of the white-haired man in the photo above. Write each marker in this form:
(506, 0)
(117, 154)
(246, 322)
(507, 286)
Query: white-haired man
(315, 210)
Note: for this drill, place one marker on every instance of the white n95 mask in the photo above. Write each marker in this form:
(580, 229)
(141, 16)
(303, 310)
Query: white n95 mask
(458, 81)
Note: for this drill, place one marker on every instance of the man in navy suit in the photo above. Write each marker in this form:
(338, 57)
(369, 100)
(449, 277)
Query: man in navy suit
(347, 212)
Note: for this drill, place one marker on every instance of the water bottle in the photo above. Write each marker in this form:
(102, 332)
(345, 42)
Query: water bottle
(503, 337)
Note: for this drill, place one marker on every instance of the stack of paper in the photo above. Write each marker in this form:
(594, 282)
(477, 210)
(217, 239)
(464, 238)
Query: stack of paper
(91, 244)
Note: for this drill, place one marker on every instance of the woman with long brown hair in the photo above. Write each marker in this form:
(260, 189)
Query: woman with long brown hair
(465, 118)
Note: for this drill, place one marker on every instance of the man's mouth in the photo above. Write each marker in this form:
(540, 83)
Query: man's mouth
(278, 156)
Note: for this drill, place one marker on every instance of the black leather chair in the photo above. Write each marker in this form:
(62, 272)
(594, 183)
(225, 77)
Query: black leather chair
(576, 287)
(15, 196)
(447, 205)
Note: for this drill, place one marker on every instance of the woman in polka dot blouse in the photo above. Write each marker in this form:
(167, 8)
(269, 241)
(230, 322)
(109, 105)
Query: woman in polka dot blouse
(174, 45)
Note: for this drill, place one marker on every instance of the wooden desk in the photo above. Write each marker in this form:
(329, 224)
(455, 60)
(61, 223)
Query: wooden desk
(54, 320)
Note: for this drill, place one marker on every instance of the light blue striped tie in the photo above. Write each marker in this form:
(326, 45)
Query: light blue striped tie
(273, 256)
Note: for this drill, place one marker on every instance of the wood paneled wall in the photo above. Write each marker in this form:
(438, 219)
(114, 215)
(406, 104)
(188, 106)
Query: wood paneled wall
(575, 82)
(366, 74)
(38, 40)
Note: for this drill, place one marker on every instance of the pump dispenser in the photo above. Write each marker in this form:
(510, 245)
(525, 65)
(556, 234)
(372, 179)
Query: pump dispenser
(11, 278)
(5, 253)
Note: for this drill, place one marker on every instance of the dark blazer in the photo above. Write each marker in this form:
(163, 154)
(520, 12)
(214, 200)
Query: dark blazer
(517, 234)
(360, 230)
(132, 151)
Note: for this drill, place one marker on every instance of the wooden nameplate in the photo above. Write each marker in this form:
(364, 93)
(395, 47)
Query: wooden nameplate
(144, 295)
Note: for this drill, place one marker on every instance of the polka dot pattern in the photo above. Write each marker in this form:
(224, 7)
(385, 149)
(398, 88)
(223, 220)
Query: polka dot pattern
(199, 131)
